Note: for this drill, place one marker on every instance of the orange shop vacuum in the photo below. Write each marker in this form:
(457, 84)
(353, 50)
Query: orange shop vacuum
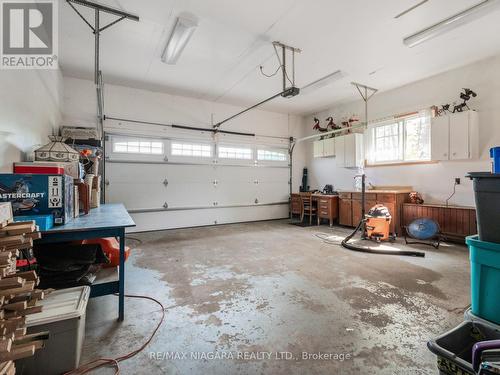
(375, 226)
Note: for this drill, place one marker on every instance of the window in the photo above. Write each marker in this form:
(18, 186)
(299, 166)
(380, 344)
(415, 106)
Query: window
(272, 155)
(402, 140)
(137, 146)
(191, 149)
(226, 152)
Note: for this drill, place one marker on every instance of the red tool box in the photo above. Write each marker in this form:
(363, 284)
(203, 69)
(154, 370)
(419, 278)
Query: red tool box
(32, 168)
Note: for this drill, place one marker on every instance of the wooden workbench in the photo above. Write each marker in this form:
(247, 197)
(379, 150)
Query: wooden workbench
(327, 206)
(350, 206)
(108, 220)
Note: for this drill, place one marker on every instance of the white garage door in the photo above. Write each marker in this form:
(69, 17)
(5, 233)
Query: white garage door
(178, 182)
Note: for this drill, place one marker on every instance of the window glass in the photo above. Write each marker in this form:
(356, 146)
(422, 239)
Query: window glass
(226, 152)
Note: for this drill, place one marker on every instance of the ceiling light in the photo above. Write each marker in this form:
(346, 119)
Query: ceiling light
(322, 82)
(182, 32)
(451, 23)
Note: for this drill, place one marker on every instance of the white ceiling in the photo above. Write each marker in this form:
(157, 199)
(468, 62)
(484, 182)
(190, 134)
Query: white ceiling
(221, 61)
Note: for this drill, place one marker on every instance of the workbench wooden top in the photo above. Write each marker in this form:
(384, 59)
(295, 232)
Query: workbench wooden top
(112, 215)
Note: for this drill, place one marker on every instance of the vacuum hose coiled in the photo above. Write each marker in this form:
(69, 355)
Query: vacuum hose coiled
(372, 250)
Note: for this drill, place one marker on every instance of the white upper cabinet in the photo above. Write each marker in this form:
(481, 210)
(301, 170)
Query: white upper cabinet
(329, 147)
(318, 149)
(324, 148)
(440, 138)
(455, 136)
(340, 151)
(347, 149)
(353, 150)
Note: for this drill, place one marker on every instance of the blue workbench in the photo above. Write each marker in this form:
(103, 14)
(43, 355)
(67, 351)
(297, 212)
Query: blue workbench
(108, 220)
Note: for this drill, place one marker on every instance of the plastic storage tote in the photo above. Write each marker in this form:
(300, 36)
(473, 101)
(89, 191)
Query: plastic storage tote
(487, 197)
(454, 348)
(470, 317)
(495, 156)
(485, 278)
(44, 222)
(63, 315)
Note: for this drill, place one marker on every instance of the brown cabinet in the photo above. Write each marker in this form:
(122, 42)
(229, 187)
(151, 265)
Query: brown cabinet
(345, 212)
(295, 208)
(455, 223)
(327, 206)
(350, 207)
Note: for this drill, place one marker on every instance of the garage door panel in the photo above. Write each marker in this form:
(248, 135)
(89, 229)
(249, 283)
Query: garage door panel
(272, 192)
(127, 172)
(235, 193)
(136, 195)
(190, 173)
(272, 174)
(190, 194)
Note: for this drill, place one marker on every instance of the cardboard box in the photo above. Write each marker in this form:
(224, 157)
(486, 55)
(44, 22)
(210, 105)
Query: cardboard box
(35, 194)
(95, 198)
(5, 212)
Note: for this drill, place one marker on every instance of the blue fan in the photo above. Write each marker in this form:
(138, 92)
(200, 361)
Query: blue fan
(424, 229)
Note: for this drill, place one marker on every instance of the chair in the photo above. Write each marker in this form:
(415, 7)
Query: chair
(307, 207)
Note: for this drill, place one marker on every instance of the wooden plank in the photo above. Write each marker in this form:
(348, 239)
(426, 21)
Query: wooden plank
(28, 275)
(18, 229)
(11, 282)
(12, 240)
(16, 306)
(18, 353)
(27, 311)
(7, 368)
(27, 287)
(32, 337)
(5, 345)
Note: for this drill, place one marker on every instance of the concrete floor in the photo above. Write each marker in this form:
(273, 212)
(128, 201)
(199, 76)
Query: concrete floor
(254, 290)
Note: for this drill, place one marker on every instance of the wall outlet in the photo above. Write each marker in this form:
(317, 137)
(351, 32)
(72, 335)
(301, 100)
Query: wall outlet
(457, 180)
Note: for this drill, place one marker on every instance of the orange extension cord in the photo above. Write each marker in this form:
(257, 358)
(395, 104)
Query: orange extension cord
(101, 362)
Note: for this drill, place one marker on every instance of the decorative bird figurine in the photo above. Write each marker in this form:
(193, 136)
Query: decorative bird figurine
(331, 124)
(317, 126)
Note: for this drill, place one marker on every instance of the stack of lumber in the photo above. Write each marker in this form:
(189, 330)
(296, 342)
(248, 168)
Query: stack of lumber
(18, 294)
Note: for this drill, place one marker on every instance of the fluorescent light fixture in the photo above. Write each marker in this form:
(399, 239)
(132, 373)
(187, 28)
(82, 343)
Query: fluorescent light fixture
(322, 82)
(182, 32)
(451, 23)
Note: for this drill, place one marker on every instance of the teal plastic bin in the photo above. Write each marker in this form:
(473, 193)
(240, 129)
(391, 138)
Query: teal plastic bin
(485, 278)
(44, 222)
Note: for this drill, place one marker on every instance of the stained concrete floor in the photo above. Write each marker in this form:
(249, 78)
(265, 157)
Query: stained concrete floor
(252, 298)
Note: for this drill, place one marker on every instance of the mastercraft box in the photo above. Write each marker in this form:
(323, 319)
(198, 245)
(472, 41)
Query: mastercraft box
(39, 194)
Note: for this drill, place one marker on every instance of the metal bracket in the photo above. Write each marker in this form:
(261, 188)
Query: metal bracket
(286, 92)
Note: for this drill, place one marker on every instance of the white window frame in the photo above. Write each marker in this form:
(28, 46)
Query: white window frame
(117, 140)
(202, 152)
(235, 159)
(133, 156)
(402, 140)
(280, 150)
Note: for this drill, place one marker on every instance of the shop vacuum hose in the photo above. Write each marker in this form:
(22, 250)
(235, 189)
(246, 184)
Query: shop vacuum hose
(373, 250)
(361, 226)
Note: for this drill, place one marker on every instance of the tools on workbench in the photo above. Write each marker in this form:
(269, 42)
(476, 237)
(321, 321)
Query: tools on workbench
(18, 293)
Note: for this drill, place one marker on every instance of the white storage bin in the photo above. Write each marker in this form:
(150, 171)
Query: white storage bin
(63, 315)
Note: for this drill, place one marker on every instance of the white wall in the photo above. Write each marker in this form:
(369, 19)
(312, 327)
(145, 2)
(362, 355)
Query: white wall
(30, 103)
(125, 102)
(434, 181)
